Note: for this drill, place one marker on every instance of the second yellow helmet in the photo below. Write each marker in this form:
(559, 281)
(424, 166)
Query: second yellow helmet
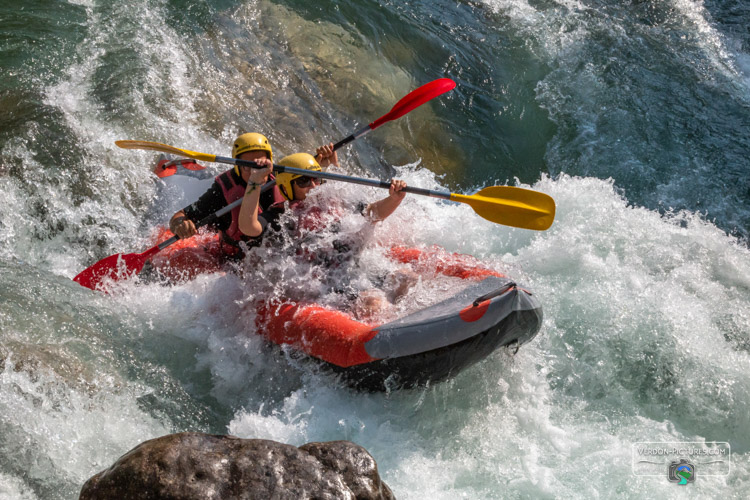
(298, 160)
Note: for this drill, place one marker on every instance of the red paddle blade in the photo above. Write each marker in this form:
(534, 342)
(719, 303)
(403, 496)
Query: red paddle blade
(416, 98)
(114, 268)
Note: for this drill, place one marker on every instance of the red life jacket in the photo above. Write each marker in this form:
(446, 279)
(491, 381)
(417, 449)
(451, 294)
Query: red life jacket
(234, 191)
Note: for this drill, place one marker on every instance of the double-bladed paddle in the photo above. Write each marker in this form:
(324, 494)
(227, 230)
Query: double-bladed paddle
(117, 266)
(506, 205)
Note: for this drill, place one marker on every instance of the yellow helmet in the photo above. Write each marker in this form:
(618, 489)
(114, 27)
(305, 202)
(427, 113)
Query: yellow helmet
(297, 160)
(251, 142)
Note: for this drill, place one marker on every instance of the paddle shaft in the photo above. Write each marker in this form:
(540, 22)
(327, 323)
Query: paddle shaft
(344, 178)
(213, 217)
(356, 135)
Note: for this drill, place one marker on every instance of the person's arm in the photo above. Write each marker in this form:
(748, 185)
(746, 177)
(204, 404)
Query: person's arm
(248, 219)
(380, 210)
(182, 223)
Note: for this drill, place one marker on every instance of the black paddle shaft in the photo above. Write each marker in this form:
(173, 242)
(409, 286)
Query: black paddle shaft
(210, 219)
(339, 177)
(356, 135)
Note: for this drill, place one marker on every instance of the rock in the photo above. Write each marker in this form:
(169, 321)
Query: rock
(192, 465)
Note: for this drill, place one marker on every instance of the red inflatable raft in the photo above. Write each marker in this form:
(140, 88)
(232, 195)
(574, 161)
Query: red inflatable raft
(430, 345)
(427, 346)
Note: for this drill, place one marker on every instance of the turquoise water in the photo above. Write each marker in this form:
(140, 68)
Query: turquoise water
(634, 116)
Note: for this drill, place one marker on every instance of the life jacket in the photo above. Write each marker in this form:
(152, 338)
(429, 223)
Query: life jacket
(233, 191)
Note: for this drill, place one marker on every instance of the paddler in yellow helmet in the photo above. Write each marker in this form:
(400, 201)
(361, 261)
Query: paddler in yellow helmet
(295, 187)
(227, 187)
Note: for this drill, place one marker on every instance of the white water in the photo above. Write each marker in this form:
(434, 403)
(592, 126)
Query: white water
(627, 89)
(646, 337)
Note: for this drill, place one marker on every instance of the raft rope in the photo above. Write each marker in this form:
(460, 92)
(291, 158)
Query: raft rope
(494, 293)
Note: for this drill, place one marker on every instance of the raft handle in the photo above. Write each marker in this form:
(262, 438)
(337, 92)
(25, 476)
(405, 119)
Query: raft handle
(509, 347)
(494, 293)
(178, 162)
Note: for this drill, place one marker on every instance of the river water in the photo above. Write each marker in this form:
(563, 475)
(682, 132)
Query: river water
(634, 116)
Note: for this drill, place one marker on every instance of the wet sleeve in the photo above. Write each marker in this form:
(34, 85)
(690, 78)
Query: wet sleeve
(360, 207)
(209, 203)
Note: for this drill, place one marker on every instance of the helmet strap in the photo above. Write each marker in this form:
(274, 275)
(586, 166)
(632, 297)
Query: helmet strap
(286, 195)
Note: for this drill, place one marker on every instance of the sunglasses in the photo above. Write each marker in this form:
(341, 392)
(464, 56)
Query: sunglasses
(306, 181)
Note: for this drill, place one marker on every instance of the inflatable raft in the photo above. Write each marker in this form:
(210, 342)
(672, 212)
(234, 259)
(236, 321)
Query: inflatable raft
(426, 346)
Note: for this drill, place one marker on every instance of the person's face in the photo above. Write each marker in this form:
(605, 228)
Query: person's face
(250, 156)
(303, 185)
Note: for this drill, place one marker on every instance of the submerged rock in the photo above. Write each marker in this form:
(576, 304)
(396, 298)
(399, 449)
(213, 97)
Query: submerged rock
(202, 466)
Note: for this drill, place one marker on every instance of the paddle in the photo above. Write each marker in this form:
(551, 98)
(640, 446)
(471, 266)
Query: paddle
(506, 205)
(412, 100)
(119, 265)
(125, 265)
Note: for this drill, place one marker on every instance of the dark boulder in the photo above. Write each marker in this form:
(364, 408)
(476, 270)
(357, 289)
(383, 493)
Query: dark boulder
(201, 466)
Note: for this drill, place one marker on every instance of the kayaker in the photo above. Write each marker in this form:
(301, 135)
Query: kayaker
(295, 188)
(228, 187)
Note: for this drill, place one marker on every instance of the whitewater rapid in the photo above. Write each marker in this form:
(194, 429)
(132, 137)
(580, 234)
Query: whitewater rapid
(644, 277)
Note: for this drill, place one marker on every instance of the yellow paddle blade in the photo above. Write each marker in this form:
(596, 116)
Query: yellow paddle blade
(164, 148)
(512, 206)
